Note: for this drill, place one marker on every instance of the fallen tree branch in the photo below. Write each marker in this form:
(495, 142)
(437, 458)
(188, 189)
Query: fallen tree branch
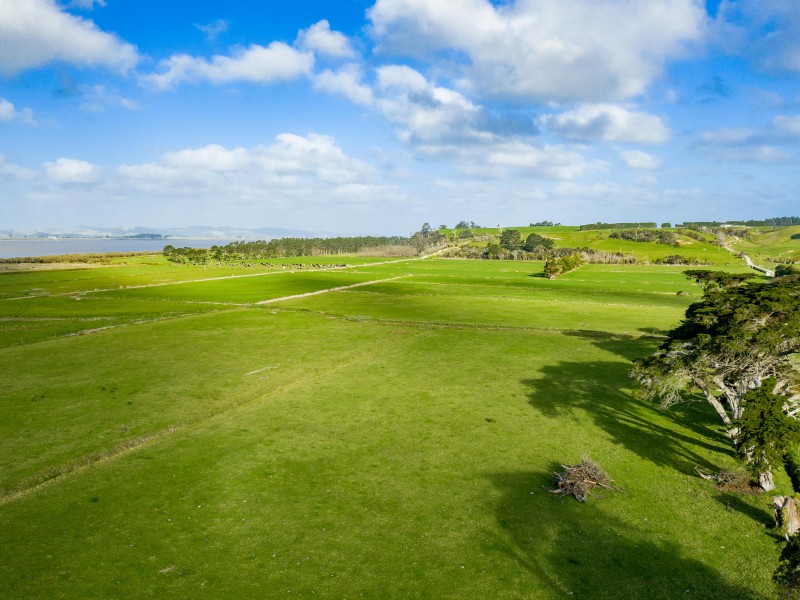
(579, 480)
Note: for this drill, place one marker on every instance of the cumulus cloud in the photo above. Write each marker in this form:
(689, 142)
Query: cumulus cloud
(322, 40)
(443, 124)
(212, 158)
(292, 160)
(8, 112)
(524, 159)
(424, 112)
(583, 50)
(257, 64)
(607, 123)
(347, 82)
(636, 159)
(70, 170)
(36, 32)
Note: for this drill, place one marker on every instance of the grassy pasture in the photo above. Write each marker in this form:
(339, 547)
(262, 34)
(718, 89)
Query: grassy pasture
(247, 290)
(388, 441)
(70, 281)
(599, 239)
(768, 243)
(33, 319)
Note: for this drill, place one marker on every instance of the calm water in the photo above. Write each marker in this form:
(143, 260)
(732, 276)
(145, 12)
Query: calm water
(17, 248)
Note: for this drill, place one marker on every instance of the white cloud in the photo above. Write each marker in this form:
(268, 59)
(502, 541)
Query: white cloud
(424, 112)
(547, 162)
(608, 123)
(70, 170)
(212, 158)
(292, 161)
(9, 113)
(584, 50)
(322, 40)
(636, 159)
(213, 29)
(402, 77)
(314, 155)
(441, 123)
(257, 64)
(345, 82)
(36, 32)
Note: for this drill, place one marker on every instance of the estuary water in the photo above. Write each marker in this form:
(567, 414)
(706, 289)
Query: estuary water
(46, 247)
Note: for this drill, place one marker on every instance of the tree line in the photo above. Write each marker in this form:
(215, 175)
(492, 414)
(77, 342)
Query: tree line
(771, 222)
(646, 235)
(284, 247)
(599, 225)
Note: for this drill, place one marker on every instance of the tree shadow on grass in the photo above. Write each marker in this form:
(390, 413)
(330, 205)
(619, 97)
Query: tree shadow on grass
(735, 502)
(597, 389)
(577, 550)
(681, 437)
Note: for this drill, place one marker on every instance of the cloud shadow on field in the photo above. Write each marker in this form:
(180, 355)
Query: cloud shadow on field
(577, 550)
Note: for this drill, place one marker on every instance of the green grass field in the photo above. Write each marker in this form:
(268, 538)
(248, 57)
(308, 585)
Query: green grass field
(599, 239)
(392, 440)
(768, 243)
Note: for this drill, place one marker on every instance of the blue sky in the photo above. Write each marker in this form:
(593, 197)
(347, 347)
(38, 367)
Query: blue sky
(364, 116)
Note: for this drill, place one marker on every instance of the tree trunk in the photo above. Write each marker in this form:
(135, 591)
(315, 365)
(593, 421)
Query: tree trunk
(765, 481)
(712, 400)
(733, 433)
(787, 515)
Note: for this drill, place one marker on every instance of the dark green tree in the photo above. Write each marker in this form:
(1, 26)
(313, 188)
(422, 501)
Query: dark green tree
(535, 240)
(766, 432)
(511, 239)
(493, 250)
(787, 575)
(730, 342)
(719, 279)
(784, 270)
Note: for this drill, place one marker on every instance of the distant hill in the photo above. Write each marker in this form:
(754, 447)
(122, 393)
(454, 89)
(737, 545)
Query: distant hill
(197, 231)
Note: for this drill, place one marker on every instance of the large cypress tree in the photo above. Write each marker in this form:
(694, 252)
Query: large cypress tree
(739, 335)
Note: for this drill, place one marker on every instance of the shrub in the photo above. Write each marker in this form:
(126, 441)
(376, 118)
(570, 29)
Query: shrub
(557, 265)
(678, 259)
